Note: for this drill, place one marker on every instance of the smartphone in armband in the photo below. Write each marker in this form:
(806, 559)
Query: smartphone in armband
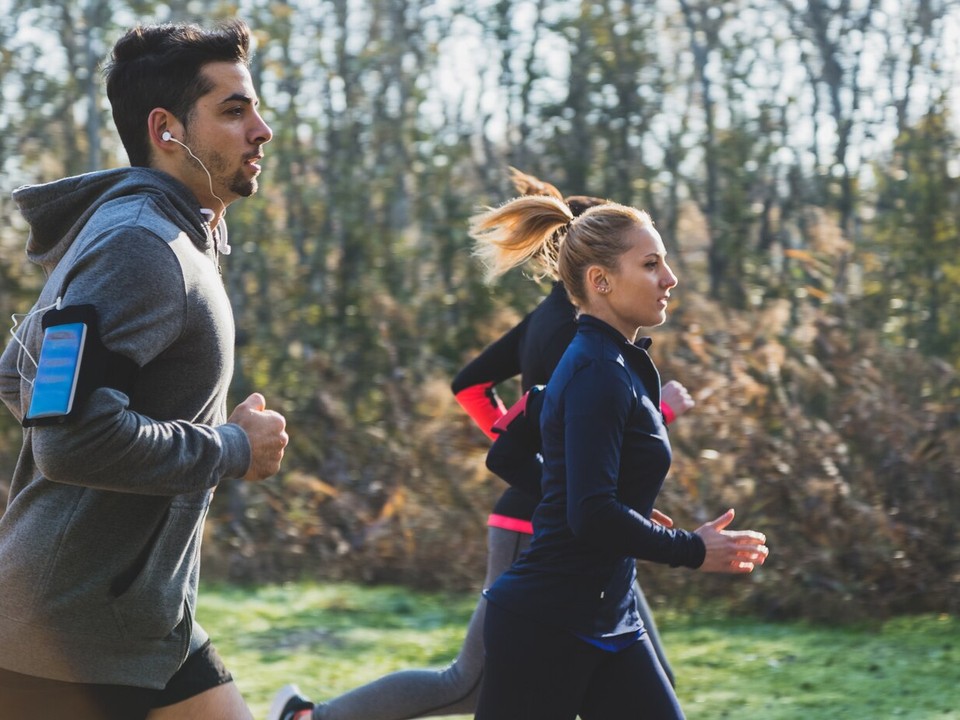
(73, 363)
(58, 373)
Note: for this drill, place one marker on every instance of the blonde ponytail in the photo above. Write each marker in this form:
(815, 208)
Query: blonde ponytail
(520, 231)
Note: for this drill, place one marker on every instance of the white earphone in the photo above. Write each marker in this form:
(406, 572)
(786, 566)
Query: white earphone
(223, 245)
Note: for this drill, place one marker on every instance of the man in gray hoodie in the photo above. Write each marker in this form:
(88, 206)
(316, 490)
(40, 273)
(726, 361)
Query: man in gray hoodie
(100, 540)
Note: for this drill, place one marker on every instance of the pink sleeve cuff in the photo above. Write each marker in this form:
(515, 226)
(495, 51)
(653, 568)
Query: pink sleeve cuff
(483, 405)
(668, 414)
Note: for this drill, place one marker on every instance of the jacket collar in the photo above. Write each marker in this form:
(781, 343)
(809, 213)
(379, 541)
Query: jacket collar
(643, 343)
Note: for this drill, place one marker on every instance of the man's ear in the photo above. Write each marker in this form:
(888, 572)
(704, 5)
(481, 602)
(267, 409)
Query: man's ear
(161, 121)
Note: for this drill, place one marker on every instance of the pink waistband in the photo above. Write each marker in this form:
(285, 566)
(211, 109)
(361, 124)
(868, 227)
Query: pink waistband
(505, 522)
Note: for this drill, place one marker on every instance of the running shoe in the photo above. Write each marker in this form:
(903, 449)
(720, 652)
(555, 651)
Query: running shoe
(289, 704)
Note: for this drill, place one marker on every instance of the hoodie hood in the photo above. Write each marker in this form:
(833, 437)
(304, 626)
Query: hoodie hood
(57, 211)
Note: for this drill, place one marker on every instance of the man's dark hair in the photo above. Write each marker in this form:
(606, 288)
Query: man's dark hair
(160, 66)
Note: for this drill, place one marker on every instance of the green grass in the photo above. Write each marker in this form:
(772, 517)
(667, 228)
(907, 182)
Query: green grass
(330, 638)
(734, 668)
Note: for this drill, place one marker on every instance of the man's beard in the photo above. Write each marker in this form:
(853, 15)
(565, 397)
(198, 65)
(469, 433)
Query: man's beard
(241, 185)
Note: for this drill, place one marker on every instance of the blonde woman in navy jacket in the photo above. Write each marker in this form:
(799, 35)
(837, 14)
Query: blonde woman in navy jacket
(563, 635)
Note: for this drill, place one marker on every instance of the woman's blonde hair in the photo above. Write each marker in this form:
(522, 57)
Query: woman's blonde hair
(498, 255)
(543, 229)
(518, 232)
(598, 237)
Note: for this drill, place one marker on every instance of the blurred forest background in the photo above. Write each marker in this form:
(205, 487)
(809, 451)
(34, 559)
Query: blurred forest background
(799, 157)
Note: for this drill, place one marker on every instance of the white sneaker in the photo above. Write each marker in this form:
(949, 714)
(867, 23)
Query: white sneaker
(287, 703)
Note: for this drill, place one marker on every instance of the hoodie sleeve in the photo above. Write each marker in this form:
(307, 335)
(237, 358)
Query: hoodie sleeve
(10, 379)
(160, 303)
(112, 448)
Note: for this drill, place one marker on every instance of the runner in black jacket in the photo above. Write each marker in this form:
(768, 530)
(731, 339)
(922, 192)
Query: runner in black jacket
(532, 350)
(563, 633)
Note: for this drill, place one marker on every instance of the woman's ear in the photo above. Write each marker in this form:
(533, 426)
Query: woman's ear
(597, 279)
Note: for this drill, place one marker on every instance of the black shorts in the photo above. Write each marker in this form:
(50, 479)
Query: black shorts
(23, 697)
(202, 671)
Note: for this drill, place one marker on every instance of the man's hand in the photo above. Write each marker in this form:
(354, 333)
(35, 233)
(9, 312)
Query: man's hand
(266, 430)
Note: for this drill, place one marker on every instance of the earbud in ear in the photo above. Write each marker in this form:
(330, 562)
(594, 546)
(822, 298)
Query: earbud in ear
(167, 137)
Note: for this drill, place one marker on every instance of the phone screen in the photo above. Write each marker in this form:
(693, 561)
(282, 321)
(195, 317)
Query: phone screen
(57, 372)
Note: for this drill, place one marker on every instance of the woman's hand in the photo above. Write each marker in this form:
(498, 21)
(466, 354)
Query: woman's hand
(731, 551)
(677, 398)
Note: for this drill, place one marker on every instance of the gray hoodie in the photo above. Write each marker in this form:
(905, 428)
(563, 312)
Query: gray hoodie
(100, 541)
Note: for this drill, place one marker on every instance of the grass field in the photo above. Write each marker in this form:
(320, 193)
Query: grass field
(330, 638)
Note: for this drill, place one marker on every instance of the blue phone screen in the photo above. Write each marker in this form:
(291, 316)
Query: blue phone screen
(57, 371)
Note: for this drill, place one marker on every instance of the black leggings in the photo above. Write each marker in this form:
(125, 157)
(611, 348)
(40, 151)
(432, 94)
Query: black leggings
(536, 672)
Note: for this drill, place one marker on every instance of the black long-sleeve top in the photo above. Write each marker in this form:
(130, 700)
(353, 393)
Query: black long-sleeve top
(531, 349)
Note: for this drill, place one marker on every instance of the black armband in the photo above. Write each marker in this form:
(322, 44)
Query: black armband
(73, 363)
